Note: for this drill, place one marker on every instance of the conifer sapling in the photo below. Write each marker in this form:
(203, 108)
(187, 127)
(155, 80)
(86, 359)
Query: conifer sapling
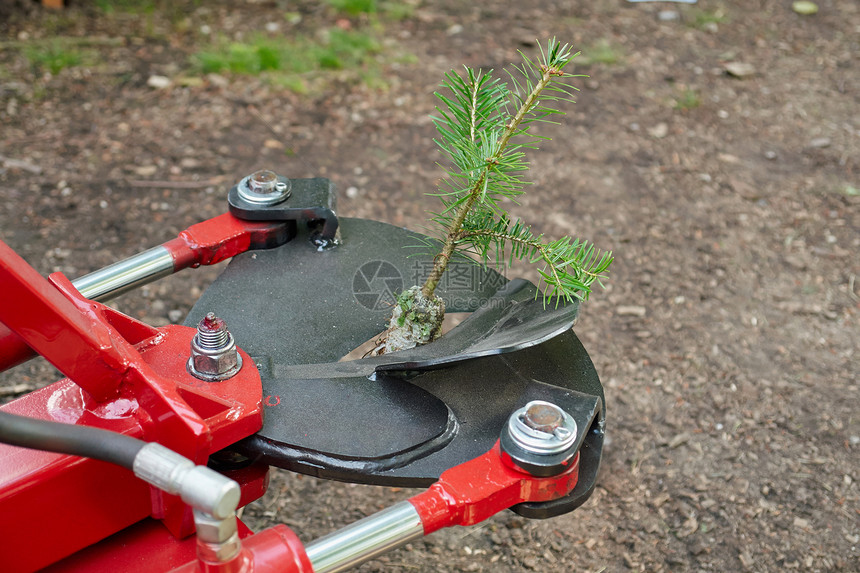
(483, 130)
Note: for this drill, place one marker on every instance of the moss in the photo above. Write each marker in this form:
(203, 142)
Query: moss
(416, 320)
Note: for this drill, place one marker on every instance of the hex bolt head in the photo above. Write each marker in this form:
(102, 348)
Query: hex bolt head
(542, 428)
(264, 188)
(263, 182)
(214, 355)
(543, 417)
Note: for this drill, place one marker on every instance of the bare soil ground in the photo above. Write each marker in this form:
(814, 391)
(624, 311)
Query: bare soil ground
(728, 336)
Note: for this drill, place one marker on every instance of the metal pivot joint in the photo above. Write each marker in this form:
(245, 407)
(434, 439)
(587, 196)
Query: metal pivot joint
(214, 355)
(264, 188)
(266, 196)
(540, 439)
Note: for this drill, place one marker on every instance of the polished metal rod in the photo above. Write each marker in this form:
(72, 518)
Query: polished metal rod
(121, 277)
(366, 539)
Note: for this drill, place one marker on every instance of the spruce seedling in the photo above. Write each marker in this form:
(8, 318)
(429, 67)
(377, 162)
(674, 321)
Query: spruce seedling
(483, 130)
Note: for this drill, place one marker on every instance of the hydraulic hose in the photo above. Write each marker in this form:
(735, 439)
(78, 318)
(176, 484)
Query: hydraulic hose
(69, 439)
(198, 486)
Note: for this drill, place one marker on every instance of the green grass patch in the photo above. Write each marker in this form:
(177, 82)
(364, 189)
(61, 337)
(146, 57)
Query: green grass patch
(688, 99)
(127, 6)
(601, 52)
(354, 7)
(701, 19)
(55, 55)
(299, 55)
(392, 10)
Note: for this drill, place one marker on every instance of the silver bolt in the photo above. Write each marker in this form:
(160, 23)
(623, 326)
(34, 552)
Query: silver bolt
(542, 428)
(213, 352)
(264, 188)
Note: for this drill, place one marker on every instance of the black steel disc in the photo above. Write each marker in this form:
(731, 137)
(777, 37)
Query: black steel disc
(400, 419)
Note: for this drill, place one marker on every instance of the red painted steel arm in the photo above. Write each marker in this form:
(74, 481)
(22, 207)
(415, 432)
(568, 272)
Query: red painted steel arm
(471, 492)
(205, 243)
(219, 239)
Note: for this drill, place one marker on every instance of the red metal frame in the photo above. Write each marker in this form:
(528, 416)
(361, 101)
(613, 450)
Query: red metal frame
(128, 377)
(124, 376)
(464, 495)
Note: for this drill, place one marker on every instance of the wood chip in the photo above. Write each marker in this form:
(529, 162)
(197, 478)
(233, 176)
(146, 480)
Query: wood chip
(679, 440)
(10, 163)
(630, 310)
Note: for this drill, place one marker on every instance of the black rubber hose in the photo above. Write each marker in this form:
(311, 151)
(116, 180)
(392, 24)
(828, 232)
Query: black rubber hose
(69, 439)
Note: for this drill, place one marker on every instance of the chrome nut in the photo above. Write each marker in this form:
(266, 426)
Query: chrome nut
(217, 539)
(219, 552)
(214, 364)
(212, 530)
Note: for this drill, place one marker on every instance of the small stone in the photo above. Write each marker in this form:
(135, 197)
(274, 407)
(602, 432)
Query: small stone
(175, 316)
(770, 154)
(628, 562)
(820, 142)
(659, 131)
(801, 523)
(158, 82)
(218, 80)
(805, 8)
(739, 69)
(146, 170)
(795, 261)
(698, 547)
(352, 192)
(668, 15)
(454, 29)
(189, 82)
